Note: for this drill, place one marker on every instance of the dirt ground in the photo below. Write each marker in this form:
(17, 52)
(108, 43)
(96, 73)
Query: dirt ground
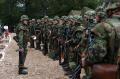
(39, 66)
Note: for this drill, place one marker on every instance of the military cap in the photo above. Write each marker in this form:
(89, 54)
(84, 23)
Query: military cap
(63, 17)
(24, 17)
(38, 20)
(33, 19)
(70, 17)
(45, 16)
(56, 17)
(102, 15)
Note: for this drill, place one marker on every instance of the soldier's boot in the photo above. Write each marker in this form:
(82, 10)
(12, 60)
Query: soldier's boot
(37, 45)
(31, 43)
(45, 49)
(23, 70)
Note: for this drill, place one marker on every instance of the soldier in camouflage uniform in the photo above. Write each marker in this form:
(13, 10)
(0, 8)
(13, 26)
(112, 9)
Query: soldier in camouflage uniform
(45, 35)
(56, 36)
(39, 33)
(23, 38)
(98, 50)
(32, 32)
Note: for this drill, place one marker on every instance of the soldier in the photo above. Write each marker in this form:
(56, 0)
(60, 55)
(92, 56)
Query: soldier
(23, 38)
(45, 35)
(103, 32)
(77, 47)
(32, 32)
(66, 37)
(39, 33)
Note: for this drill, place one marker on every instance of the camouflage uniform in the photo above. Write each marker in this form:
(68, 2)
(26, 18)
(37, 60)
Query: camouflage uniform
(32, 32)
(39, 33)
(45, 35)
(23, 38)
(99, 49)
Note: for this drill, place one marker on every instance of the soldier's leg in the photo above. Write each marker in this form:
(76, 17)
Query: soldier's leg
(66, 58)
(67, 55)
(25, 54)
(31, 43)
(59, 52)
(22, 58)
(22, 69)
(45, 48)
(38, 43)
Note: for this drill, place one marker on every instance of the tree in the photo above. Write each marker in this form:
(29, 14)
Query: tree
(10, 12)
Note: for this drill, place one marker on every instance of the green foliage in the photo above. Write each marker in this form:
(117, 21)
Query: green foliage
(92, 3)
(10, 14)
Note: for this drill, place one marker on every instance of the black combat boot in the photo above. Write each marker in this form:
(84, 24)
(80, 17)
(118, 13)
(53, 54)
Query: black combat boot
(23, 71)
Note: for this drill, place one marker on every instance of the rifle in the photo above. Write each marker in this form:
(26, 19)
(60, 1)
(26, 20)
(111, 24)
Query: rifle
(90, 38)
(76, 72)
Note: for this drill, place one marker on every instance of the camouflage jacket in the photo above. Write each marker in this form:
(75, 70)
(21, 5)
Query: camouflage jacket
(23, 35)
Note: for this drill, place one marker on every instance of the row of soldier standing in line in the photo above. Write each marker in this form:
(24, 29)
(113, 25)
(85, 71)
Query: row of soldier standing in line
(25, 31)
(64, 34)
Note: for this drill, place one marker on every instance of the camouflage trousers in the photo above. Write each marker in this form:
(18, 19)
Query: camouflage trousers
(22, 55)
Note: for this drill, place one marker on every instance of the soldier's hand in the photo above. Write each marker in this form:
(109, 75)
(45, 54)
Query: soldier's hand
(34, 37)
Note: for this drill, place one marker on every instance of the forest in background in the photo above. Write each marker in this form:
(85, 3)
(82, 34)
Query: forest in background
(11, 10)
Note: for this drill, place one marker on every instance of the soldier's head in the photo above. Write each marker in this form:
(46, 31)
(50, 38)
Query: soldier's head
(56, 17)
(24, 19)
(46, 18)
(50, 22)
(38, 21)
(33, 20)
(30, 22)
(55, 22)
(78, 31)
(101, 16)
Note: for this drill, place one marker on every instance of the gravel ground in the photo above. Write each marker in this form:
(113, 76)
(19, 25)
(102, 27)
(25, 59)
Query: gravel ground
(39, 66)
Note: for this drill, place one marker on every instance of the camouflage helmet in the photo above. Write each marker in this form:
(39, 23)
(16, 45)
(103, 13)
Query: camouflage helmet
(24, 17)
(56, 17)
(102, 15)
(46, 17)
(70, 16)
(63, 17)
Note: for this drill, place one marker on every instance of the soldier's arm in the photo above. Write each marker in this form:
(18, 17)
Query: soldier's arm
(20, 38)
(94, 30)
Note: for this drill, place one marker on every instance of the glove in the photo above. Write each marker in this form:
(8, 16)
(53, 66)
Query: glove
(34, 37)
(21, 50)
